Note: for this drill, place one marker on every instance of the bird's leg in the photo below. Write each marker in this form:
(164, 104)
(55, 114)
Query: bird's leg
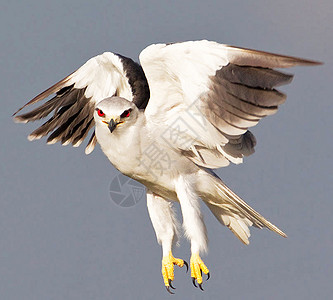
(197, 267)
(194, 226)
(166, 228)
(168, 262)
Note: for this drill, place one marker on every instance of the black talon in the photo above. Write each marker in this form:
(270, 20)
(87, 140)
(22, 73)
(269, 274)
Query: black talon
(200, 286)
(208, 276)
(201, 272)
(193, 281)
(186, 264)
(170, 283)
(168, 289)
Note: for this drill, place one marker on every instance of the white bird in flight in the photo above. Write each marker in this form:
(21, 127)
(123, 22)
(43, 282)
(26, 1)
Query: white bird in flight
(167, 124)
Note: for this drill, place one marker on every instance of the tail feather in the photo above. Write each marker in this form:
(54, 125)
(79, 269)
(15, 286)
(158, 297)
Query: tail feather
(238, 230)
(237, 225)
(246, 209)
(233, 212)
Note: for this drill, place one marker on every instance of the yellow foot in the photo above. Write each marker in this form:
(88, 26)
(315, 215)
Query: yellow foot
(197, 267)
(167, 269)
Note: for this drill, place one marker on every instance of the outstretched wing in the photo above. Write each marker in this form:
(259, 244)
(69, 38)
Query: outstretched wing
(205, 96)
(73, 105)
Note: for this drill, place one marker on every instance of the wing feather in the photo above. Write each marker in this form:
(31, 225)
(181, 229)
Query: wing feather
(75, 97)
(219, 92)
(256, 77)
(224, 89)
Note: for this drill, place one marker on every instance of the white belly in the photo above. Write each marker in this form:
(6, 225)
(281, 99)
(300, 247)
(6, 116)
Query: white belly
(146, 161)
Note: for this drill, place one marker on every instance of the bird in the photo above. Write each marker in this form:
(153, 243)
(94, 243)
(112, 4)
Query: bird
(168, 122)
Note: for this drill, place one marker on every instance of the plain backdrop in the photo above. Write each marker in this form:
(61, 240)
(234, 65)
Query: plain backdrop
(62, 237)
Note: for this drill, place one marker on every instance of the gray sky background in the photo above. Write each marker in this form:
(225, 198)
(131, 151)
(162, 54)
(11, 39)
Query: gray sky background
(61, 237)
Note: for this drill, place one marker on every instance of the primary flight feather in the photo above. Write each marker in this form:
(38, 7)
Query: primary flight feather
(167, 124)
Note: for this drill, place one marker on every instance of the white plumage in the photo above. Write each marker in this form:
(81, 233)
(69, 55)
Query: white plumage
(191, 105)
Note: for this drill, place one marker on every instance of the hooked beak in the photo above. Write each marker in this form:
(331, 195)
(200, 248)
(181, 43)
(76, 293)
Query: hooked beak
(112, 125)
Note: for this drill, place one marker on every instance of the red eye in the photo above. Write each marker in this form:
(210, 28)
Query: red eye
(100, 113)
(126, 113)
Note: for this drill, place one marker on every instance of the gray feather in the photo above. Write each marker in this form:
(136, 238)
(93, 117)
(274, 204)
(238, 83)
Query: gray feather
(257, 96)
(255, 77)
(238, 98)
(208, 158)
(241, 146)
(65, 115)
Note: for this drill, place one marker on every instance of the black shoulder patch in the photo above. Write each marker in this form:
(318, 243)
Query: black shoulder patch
(137, 80)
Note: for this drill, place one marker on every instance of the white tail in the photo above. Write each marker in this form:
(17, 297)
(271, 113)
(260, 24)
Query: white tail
(233, 212)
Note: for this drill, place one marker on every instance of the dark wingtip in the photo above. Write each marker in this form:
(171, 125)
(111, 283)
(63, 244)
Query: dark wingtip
(19, 109)
(19, 119)
(315, 62)
(308, 62)
(51, 90)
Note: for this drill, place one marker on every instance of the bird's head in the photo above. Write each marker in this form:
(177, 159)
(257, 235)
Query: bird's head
(115, 113)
